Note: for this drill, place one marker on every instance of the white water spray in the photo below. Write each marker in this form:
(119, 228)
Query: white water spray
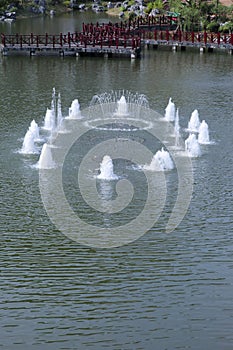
(203, 136)
(29, 146)
(170, 111)
(74, 110)
(46, 160)
(106, 169)
(192, 146)
(122, 107)
(177, 129)
(194, 122)
(161, 161)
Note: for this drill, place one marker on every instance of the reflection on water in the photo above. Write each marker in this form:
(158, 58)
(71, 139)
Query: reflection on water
(160, 292)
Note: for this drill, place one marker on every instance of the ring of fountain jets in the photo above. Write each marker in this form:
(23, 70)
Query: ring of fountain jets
(39, 140)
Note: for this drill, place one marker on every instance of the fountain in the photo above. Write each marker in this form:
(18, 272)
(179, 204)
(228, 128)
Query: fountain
(177, 129)
(46, 159)
(192, 146)
(161, 161)
(50, 116)
(194, 122)
(74, 110)
(59, 112)
(106, 169)
(29, 143)
(49, 122)
(170, 111)
(122, 107)
(203, 136)
(32, 135)
(35, 130)
(118, 103)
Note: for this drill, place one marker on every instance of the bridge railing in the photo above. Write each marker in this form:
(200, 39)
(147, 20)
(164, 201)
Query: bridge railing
(188, 37)
(149, 21)
(115, 37)
(38, 40)
(72, 40)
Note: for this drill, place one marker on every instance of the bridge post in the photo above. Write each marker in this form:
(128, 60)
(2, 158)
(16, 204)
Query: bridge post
(133, 43)
(211, 38)
(205, 37)
(3, 40)
(231, 39)
(179, 35)
(109, 40)
(69, 39)
(46, 39)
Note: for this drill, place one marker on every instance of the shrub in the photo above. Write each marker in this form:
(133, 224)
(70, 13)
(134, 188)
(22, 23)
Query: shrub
(213, 27)
(226, 27)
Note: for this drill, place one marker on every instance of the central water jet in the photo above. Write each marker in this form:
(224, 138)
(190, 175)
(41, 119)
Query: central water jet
(74, 110)
(106, 169)
(122, 108)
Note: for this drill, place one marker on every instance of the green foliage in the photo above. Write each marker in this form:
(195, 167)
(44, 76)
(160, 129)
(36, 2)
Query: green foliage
(206, 8)
(158, 4)
(132, 15)
(197, 14)
(213, 27)
(66, 3)
(226, 27)
(176, 6)
(3, 4)
(149, 7)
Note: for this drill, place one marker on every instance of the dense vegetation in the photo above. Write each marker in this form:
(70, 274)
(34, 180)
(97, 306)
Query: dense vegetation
(199, 14)
(191, 14)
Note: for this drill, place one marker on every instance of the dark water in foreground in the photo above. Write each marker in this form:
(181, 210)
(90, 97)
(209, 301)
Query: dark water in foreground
(163, 291)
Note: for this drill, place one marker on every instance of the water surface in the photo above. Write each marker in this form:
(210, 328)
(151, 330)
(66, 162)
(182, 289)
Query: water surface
(163, 291)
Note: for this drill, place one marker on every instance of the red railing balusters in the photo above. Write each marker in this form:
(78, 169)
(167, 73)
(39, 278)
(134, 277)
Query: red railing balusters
(116, 35)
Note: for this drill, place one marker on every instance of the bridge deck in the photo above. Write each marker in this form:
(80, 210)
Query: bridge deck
(110, 41)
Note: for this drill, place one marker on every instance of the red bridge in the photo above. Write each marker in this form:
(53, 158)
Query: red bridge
(124, 39)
